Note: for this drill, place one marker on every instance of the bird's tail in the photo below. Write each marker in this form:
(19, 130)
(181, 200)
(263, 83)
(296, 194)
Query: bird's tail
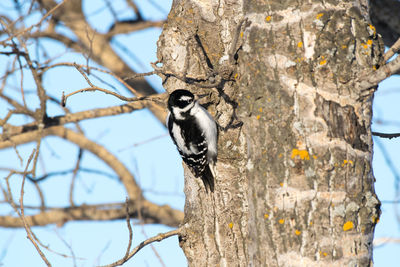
(208, 178)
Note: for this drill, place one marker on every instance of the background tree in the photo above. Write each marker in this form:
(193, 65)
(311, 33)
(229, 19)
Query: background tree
(289, 84)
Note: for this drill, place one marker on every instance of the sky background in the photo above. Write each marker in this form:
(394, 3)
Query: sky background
(156, 163)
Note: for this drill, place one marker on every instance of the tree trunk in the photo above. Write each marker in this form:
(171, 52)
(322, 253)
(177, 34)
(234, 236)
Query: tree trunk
(294, 183)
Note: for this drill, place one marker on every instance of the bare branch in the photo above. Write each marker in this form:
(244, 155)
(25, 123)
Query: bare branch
(157, 238)
(374, 77)
(122, 27)
(210, 82)
(386, 135)
(113, 12)
(151, 214)
(132, 4)
(21, 214)
(128, 223)
(51, 11)
(74, 175)
(101, 50)
(86, 68)
(392, 50)
(27, 133)
(83, 142)
(93, 89)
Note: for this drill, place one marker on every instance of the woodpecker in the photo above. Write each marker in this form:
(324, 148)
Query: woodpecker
(195, 134)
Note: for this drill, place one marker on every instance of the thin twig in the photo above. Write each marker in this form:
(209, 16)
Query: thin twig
(157, 238)
(83, 74)
(144, 142)
(392, 50)
(22, 215)
(211, 82)
(93, 89)
(389, 163)
(18, 133)
(372, 78)
(73, 256)
(128, 223)
(157, 6)
(135, 9)
(385, 240)
(87, 68)
(35, 25)
(154, 98)
(38, 82)
(90, 39)
(112, 11)
(386, 135)
(22, 80)
(96, 88)
(140, 75)
(41, 196)
(74, 175)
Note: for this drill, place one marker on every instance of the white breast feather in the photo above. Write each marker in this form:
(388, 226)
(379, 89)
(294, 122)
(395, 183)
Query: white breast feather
(206, 122)
(180, 142)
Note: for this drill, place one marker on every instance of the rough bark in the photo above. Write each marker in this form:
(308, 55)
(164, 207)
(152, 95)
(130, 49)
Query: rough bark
(294, 183)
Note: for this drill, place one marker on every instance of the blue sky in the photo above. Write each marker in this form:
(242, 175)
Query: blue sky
(156, 164)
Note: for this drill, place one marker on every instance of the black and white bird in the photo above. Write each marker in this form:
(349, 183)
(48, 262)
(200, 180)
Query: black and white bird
(195, 134)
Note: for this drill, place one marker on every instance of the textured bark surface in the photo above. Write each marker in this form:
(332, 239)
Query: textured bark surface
(294, 183)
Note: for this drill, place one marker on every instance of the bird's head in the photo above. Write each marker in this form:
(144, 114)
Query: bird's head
(180, 102)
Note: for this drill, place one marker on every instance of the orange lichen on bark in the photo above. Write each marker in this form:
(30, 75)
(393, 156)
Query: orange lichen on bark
(375, 219)
(345, 162)
(348, 226)
(367, 44)
(372, 28)
(303, 154)
(300, 44)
